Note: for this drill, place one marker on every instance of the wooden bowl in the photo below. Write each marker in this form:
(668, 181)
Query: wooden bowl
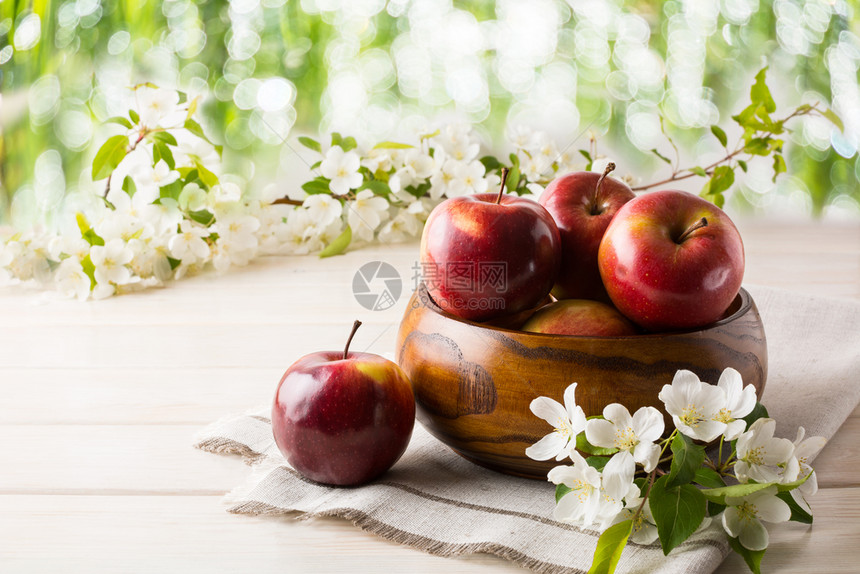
(473, 383)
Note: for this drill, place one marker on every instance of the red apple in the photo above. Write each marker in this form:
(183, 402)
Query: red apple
(579, 317)
(488, 255)
(583, 204)
(671, 260)
(343, 418)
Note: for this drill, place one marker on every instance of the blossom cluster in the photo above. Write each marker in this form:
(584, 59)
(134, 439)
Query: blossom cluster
(772, 475)
(161, 207)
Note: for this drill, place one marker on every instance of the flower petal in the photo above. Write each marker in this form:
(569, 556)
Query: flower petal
(618, 474)
(549, 410)
(732, 522)
(754, 536)
(772, 509)
(547, 447)
(648, 424)
(600, 433)
(618, 414)
(647, 454)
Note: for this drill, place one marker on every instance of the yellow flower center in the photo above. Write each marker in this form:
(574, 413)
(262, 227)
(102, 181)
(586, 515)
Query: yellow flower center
(581, 490)
(724, 416)
(746, 511)
(692, 415)
(563, 427)
(755, 456)
(625, 439)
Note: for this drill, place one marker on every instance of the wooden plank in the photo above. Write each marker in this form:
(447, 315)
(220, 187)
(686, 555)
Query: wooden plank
(194, 534)
(189, 346)
(145, 396)
(81, 459)
(131, 534)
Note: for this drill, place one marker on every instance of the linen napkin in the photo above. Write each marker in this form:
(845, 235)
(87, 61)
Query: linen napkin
(435, 501)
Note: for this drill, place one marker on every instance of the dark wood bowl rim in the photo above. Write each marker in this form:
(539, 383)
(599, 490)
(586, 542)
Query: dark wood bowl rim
(744, 307)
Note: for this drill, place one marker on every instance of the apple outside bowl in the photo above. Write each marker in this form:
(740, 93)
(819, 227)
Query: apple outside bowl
(473, 383)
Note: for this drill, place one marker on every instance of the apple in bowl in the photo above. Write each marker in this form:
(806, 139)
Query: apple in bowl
(581, 317)
(582, 205)
(670, 260)
(486, 256)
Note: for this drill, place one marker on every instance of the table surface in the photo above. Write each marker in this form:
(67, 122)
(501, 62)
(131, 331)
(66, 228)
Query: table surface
(101, 400)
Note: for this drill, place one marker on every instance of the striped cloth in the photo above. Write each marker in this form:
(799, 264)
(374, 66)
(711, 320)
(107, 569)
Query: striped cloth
(438, 502)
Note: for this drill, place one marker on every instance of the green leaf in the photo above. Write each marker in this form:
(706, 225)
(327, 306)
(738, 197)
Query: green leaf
(513, 181)
(311, 144)
(586, 155)
(687, 458)
(203, 217)
(377, 187)
(348, 143)
(339, 245)
(582, 445)
(751, 557)
(88, 233)
(714, 508)
(722, 179)
(719, 495)
(195, 128)
(336, 138)
(174, 263)
(134, 117)
(677, 511)
(317, 185)
(597, 462)
(758, 146)
(758, 412)
(709, 478)
(837, 121)
(798, 514)
(720, 134)
(119, 120)
(760, 93)
(170, 191)
(165, 137)
(208, 178)
(89, 270)
(561, 490)
(109, 156)
(699, 171)
(661, 156)
(778, 165)
(129, 186)
(161, 151)
(490, 163)
(610, 545)
(392, 145)
(743, 165)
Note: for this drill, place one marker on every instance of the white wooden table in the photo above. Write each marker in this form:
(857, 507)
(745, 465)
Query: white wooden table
(99, 403)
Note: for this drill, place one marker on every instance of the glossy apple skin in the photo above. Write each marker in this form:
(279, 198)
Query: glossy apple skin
(474, 230)
(343, 422)
(580, 317)
(661, 284)
(582, 217)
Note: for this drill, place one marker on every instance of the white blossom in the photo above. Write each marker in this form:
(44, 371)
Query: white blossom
(594, 496)
(644, 526)
(694, 406)
(71, 280)
(342, 169)
(739, 402)
(764, 458)
(111, 262)
(468, 179)
(633, 436)
(188, 245)
(149, 179)
(193, 198)
(157, 107)
(323, 209)
(366, 213)
(804, 450)
(567, 420)
(743, 515)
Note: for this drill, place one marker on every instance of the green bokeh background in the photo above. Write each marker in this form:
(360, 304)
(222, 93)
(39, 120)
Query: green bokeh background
(60, 63)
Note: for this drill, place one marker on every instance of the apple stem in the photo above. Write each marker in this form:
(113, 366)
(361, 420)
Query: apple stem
(505, 172)
(355, 327)
(595, 208)
(698, 225)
